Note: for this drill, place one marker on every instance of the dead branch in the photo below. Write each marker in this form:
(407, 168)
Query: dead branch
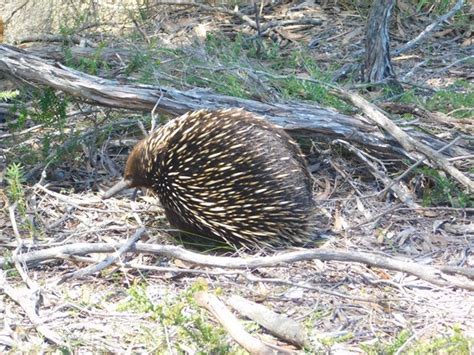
(213, 9)
(107, 261)
(281, 326)
(56, 53)
(400, 190)
(430, 28)
(419, 149)
(177, 271)
(29, 308)
(430, 274)
(231, 323)
(299, 119)
(449, 269)
(52, 38)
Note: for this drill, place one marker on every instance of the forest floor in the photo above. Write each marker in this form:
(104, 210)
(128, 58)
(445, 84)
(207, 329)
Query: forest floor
(60, 153)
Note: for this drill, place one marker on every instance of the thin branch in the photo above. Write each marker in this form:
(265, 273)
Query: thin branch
(425, 272)
(29, 308)
(397, 187)
(456, 62)
(109, 260)
(413, 166)
(409, 143)
(430, 28)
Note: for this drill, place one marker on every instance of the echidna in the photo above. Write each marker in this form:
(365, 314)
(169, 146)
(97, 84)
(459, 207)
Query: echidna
(226, 175)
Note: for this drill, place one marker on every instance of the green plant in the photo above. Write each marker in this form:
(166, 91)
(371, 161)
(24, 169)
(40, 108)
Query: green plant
(328, 342)
(71, 24)
(144, 63)
(14, 177)
(139, 301)
(436, 6)
(387, 348)
(9, 265)
(456, 344)
(93, 64)
(180, 313)
(49, 108)
(8, 95)
(459, 98)
(440, 190)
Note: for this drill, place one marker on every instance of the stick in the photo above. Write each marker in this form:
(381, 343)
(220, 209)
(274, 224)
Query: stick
(282, 327)
(407, 142)
(397, 187)
(425, 272)
(430, 28)
(109, 260)
(231, 323)
(29, 309)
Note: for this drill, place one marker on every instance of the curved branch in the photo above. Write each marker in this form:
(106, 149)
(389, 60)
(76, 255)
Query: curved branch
(424, 272)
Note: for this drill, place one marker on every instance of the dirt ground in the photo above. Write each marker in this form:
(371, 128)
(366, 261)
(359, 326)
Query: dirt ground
(144, 303)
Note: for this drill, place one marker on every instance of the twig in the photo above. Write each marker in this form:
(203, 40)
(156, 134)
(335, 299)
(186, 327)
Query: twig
(415, 68)
(107, 261)
(417, 163)
(19, 245)
(468, 272)
(451, 65)
(139, 29)
(248, 276)
(407, 142)
(11, 212)
(259, 29)
(302, 21)
(415, 335)
(208, 8)
(153, 112)
(400, 190)
(430, 28)
(279, 325)
(31, 296)
(231, 323)
(25, 131)
(29, 309)
(425, 272)
(55, 38)
(76, 203)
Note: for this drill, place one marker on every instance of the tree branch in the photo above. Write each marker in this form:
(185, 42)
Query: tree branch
(428, 273)
(430, 28)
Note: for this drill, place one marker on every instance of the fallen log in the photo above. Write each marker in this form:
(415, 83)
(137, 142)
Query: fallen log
(56, 53)
(298, 118)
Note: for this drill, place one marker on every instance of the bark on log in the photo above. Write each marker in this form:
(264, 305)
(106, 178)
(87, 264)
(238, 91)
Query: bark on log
(299, 119)
(56, 53)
